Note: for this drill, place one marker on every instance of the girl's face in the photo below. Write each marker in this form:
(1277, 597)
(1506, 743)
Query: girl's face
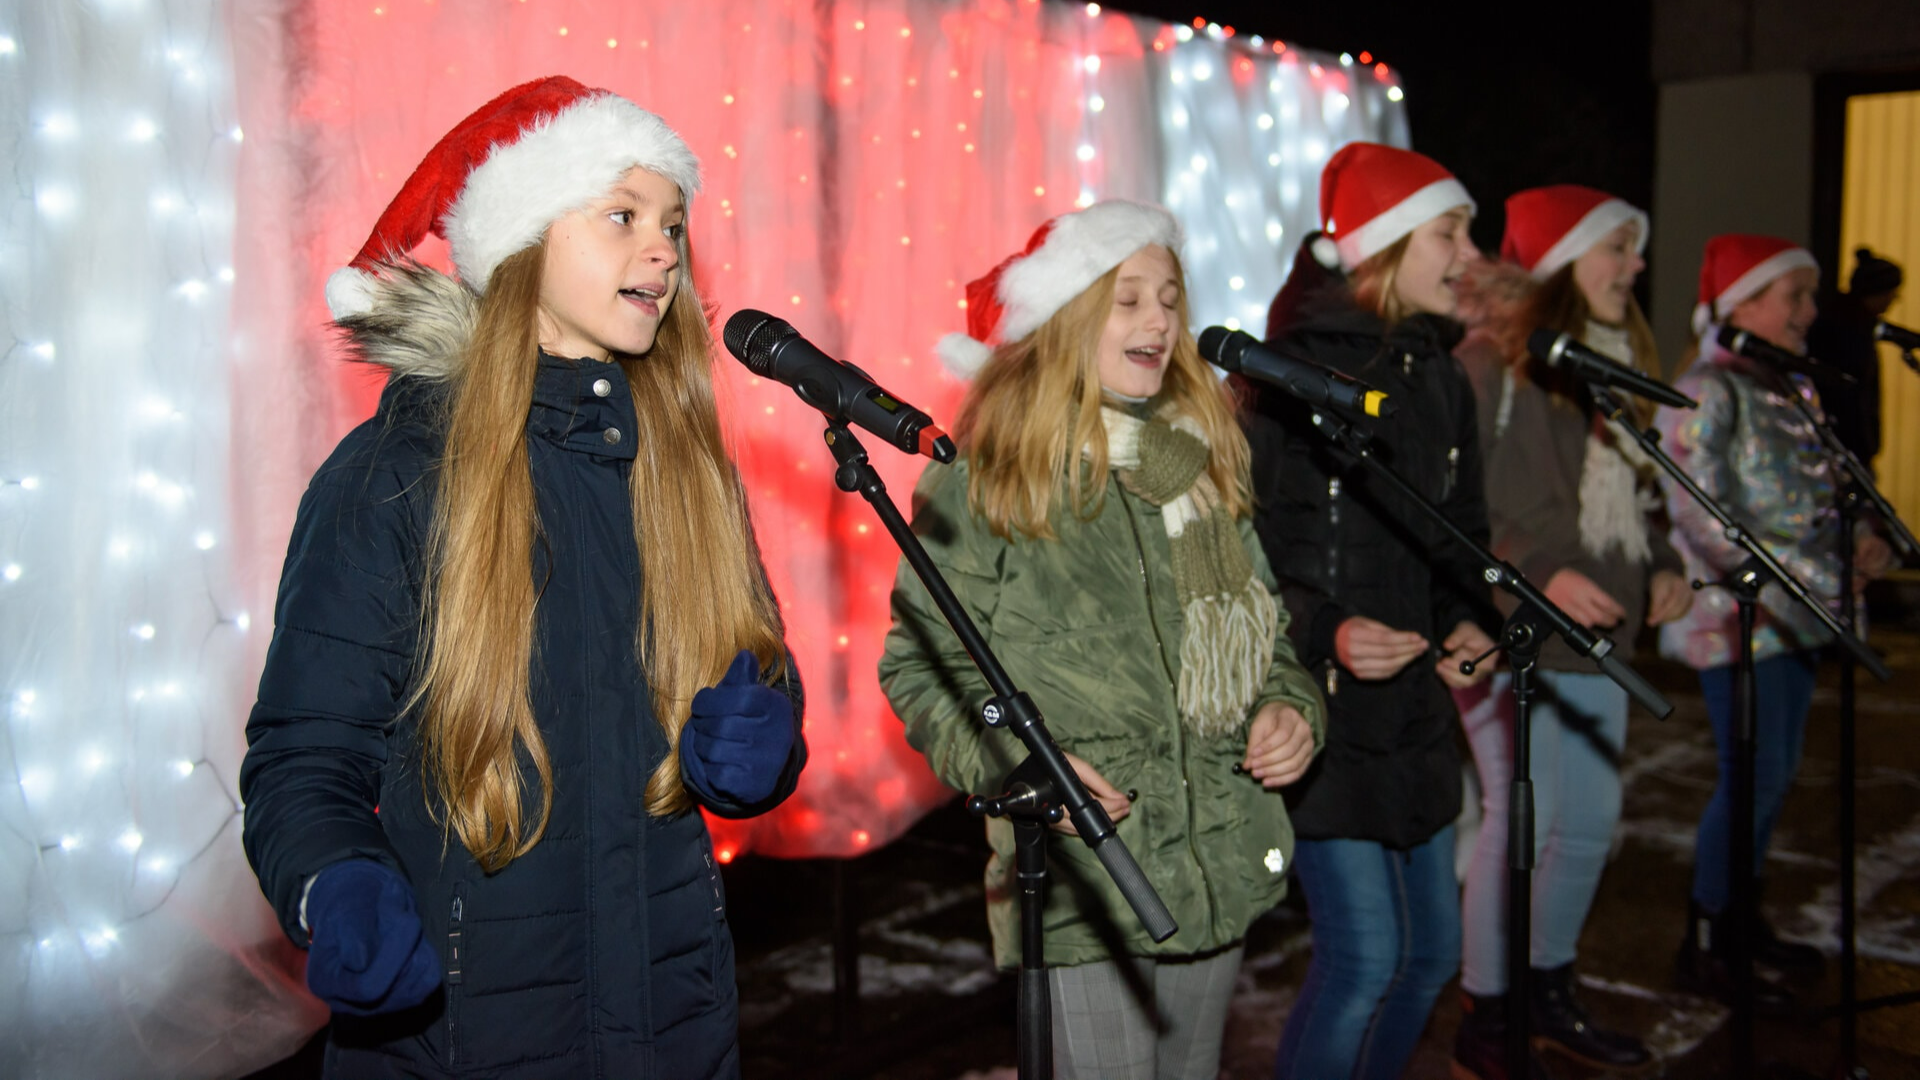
(1782, 312)
(612, 269)
(1605, 273)
(1437, 254)
(1137, 344)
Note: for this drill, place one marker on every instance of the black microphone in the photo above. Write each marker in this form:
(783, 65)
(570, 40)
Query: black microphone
(1564, 351)
(1766, 352)
(1899, 335)
(1242, 354)
(772, 348)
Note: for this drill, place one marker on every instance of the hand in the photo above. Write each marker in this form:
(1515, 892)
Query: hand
(1872, 557)
(1669, 597)
(369, 954)
(1279, 745)
(1111, 798)
(1466, 642)
(1374, 650)
(1583, 601)
(737, 740)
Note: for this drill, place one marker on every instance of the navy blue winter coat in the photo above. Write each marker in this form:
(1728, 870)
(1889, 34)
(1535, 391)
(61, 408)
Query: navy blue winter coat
(604, 951)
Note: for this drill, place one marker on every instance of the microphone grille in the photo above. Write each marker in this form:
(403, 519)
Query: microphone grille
(1543, 344)
(1217, 347)
(751, 335)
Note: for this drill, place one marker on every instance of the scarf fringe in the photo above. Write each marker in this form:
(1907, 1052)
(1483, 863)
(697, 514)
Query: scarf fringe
(1224, 656)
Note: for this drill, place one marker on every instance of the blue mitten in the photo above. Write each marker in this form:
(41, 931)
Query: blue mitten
(736, 742)
(369, 954)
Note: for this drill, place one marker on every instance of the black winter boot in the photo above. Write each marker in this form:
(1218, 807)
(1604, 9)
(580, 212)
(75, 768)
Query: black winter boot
(1480, 1046)
(1791, 958)
(1702, 967)
(1561, 1023)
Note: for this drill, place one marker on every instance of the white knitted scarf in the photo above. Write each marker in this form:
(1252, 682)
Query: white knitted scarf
(1613, 502)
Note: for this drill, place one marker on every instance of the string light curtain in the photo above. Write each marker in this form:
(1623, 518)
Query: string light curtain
(133, 944)
(170, 382)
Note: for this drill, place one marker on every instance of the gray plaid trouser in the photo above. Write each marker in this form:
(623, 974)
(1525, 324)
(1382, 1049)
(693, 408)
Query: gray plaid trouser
(1103, 1028)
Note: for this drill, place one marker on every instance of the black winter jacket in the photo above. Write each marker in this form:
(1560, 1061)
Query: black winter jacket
(1343, 544)
(604, 951)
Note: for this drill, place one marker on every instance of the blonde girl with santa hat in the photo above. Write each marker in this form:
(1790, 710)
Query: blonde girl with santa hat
(523, 630)
(1385, 604)
(1750, 449)
(1097, 525)
(1573, 505)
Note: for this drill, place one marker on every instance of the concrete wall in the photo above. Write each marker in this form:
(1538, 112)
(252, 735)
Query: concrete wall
(1734, 154)
(1695, 39)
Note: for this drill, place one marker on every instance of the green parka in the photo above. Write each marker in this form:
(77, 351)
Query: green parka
(1089, 625)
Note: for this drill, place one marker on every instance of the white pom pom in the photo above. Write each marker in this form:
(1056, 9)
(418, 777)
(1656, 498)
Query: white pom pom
(963, 355)
(1702, 320)
(1326, 252)
(351, 292)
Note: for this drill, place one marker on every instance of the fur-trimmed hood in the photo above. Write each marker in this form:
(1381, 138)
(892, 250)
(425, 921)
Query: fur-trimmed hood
(419, 324)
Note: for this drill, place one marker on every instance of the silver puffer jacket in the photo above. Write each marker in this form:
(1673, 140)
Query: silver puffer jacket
(1752, 450)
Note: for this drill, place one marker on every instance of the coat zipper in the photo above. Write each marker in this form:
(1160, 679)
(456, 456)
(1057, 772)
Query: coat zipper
(1333, 571)
(1453, 471)
(1179, 725)
(456, 967)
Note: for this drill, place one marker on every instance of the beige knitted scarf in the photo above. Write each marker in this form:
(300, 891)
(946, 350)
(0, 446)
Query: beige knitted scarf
(1614, 499)
(1230, 615)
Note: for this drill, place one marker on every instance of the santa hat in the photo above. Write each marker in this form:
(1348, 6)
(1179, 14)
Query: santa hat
(1736, 267)
(493, 184)
(1549, 227)
(1063, 257)
(1372, 195)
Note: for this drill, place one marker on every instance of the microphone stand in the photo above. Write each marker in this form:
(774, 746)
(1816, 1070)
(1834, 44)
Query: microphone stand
(1041, 790)
(1746, 583)
(1850, 497)
(1522, 637)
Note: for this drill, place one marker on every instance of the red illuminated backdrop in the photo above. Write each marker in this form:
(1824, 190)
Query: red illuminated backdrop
(863, 161)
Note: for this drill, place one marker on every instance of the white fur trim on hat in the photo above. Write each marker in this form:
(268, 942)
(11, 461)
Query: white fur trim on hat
(350, 291)
(553, 169)
(962, 355)
(1751, 284)
(1593, 228)
(1326, 252)
(1077, 251)
(1402, 218)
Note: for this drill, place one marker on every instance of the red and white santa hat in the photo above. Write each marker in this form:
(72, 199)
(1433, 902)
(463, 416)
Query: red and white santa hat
(1063, 257)
(1738, 266)
(1372, 195)
(493, 184)
(1549, 227)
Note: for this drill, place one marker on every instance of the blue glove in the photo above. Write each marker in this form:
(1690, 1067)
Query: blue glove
(369, 954)
(736, 742)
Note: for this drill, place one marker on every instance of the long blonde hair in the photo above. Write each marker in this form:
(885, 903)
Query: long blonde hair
(703, 594)
(1024, 452)
(1374, 279)
(1504, 302)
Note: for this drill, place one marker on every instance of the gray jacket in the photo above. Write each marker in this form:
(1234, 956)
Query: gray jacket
(1749, 447)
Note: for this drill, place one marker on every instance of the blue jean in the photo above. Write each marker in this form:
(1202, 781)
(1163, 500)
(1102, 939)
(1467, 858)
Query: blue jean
(1579, 725)
(1386, 938)
(1784, 686)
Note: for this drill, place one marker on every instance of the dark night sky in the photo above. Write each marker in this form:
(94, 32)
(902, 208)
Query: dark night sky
(1564, 107)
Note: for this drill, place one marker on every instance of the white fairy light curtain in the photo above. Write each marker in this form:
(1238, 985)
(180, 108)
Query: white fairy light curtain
(169, 382)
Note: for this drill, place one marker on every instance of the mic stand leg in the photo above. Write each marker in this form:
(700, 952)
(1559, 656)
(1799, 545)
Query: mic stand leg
(1849, 958)
(1521, 640)
(1745, 585)
(1030, 803)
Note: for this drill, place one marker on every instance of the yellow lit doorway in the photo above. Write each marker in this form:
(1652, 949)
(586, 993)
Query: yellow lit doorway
(1880, 209)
